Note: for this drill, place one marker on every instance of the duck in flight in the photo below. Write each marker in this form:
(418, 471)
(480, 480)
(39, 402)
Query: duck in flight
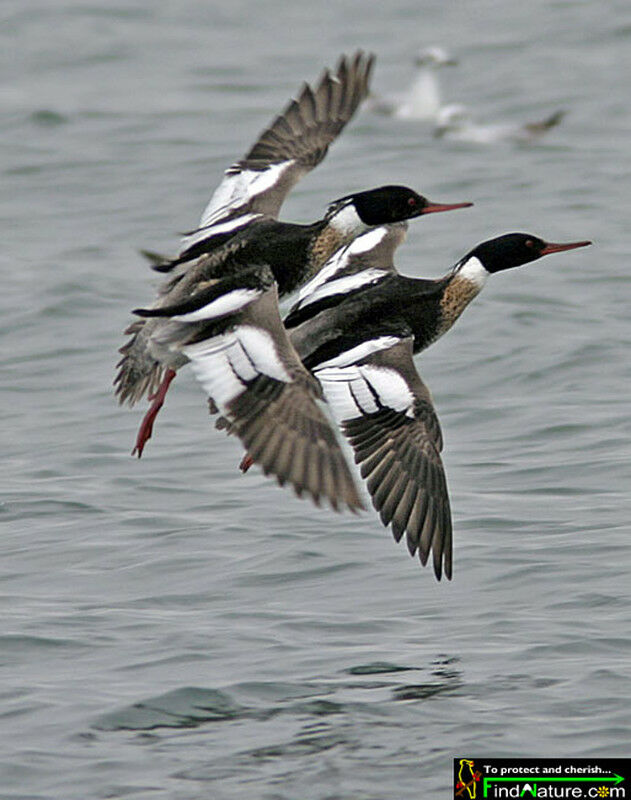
(246, 203)
(240, 251)
(454, 123)
(353, 332)
(230, 330)
(356, 327)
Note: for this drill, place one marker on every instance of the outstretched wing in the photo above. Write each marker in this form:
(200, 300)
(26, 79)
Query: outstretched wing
(387, 415)
(232, 334)
(368, 259)
(295, 142)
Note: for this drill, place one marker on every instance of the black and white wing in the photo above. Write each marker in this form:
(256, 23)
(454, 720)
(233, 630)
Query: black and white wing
(232, 334)
(367, 260)
(387, 415)
(139, 369)
(295, 143)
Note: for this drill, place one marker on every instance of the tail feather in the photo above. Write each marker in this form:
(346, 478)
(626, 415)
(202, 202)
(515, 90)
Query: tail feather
(159, 262)
(138, 373)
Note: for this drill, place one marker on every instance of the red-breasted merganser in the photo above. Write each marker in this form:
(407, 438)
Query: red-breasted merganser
(229, 329)
(221, 262)
(239, 226)
(247, 201)
(357, 330)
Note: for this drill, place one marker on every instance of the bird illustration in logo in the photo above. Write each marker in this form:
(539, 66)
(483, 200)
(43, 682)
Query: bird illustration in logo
(467, 778)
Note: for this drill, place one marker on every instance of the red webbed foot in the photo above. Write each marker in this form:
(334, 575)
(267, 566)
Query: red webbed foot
(146, 426)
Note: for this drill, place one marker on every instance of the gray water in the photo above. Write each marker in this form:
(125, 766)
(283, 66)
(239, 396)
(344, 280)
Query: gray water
(172, 629)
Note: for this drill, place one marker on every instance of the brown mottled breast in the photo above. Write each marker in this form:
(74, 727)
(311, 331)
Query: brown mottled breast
(457, 295)
(323, 247)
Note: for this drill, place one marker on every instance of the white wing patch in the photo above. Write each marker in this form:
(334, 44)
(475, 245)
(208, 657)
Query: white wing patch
(344, 285)
(340, 259)
(224, 364)
(336, 263)
(226, 304)
(350, 357)
(367, 241)
(357, 390)
(221, 366)
(238, 188)
(346, 392)
(391, 387)
(214, 230)
(261, 349)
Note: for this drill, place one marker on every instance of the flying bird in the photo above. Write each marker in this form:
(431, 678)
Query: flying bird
(246, 204)
(422, 99)
(242, 253)
(356, 327)
(230, 331)
(455, 123)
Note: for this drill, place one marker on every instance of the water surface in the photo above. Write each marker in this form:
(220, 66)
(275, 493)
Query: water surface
(171, 629)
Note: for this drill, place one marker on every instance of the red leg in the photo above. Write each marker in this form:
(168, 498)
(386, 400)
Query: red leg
(246, 462)
(146, 426)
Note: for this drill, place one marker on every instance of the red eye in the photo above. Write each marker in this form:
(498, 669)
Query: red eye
(411, 201)
(529, 243)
